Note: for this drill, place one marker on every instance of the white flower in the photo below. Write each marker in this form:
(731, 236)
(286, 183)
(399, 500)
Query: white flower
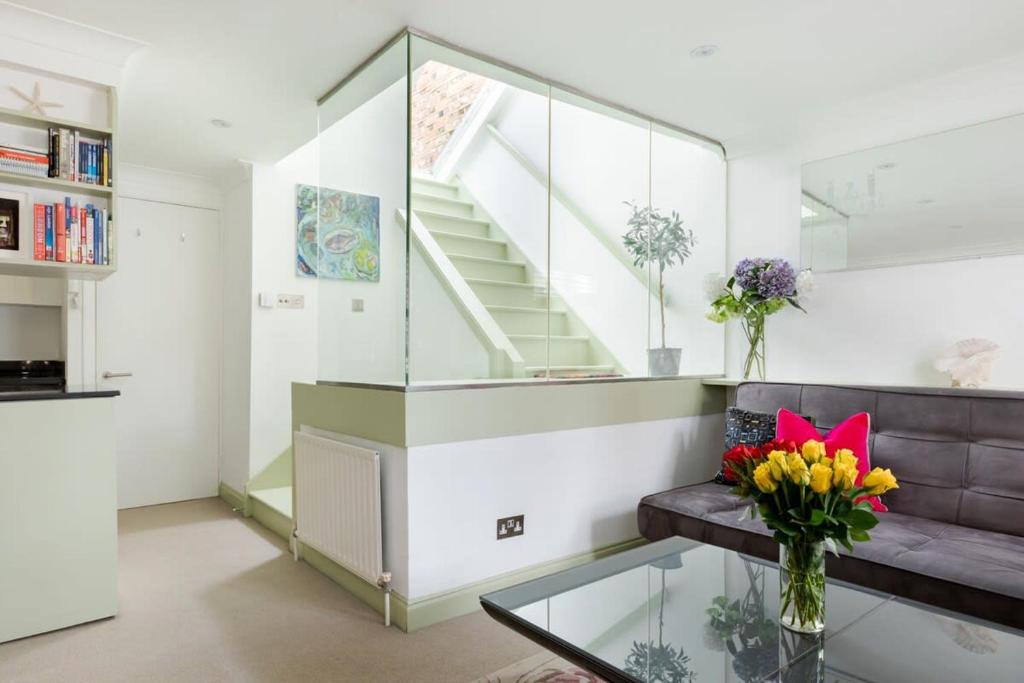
(969, 362)
(714, 285)
(804, 285)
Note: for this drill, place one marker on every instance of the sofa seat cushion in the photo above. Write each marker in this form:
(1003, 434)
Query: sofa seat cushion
(901, 548)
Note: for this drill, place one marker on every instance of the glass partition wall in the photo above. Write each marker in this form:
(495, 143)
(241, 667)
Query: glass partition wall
(476, 224)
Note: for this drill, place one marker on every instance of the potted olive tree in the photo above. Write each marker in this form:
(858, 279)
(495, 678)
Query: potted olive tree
(656, 238)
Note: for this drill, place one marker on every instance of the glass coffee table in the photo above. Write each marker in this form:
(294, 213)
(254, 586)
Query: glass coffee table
(679, 611)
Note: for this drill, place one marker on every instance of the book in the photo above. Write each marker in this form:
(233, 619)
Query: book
(60, 253)
(48, 254)
(83, 243)
(39, 232)
(90, 235)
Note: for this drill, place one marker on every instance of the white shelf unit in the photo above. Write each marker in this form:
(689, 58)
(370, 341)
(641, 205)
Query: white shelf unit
(52, 187)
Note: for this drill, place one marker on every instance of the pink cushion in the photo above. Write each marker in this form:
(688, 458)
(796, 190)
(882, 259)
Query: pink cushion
(851, 433)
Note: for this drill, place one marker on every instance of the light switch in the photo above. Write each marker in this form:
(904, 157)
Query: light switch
(266, 300)
(357, 306)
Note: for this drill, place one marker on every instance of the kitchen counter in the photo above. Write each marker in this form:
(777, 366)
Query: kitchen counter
(58, 503)
(89, 391)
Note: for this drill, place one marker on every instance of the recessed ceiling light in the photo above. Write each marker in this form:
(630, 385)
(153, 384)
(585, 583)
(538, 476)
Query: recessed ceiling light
(220, 123)
(925, 201)
(887, 166)
(702, 51)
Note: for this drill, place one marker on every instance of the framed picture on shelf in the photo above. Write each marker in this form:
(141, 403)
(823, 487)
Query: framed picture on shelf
(15, 225)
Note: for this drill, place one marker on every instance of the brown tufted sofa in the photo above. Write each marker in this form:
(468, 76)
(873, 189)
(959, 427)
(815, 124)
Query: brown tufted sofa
(954, 533)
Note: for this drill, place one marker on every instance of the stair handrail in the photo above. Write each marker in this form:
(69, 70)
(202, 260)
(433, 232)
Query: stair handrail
(505, 359)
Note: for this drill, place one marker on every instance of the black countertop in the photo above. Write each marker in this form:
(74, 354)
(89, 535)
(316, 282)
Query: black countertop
(86, 391)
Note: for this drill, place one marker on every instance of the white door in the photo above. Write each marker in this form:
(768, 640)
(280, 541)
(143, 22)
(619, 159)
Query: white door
(158, 339)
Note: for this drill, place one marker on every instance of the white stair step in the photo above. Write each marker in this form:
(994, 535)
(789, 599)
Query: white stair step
(489, 268)
(495, 293)
(434, 187)
(454, 243)
(527, 320)
(445, 223)
(572, 371)
(445, 205)
(534, 348)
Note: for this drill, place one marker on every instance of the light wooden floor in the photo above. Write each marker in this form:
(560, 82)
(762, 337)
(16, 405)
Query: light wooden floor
(209, 596)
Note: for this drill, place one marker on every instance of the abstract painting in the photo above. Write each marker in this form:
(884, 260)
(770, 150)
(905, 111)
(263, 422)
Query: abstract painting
(348, 247)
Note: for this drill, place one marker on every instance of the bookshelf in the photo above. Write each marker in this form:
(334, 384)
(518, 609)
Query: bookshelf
(23, 125)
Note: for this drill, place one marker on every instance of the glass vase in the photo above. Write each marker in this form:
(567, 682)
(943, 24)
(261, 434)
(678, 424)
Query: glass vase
(802, 586)
(753, 328)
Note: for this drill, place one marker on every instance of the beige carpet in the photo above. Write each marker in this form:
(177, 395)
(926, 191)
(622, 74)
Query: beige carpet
(208, 596)
(541, 668)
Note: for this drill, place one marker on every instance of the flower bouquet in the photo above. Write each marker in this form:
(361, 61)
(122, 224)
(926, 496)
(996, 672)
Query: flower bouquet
(812, 503)
(758, 288)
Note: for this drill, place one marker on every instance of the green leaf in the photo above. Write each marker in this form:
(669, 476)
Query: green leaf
(859, 535)
(817, 517)
(830, 546)
(860, 519)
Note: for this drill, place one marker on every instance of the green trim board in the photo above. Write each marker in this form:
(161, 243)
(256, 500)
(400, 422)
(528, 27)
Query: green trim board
(271, 518)
(236, 500)
(420, 418)
(433, 609)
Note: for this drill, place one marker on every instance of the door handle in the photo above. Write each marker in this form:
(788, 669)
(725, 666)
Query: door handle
(112, 375)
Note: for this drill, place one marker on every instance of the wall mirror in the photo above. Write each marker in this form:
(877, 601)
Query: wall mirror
(951, 195)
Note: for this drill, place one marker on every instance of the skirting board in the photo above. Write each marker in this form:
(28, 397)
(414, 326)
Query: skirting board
(440, 607)
(425, 611)
(238, 501)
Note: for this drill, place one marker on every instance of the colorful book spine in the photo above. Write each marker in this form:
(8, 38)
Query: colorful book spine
(60, 253)
(23, 162)
(83, 245)
(39, 232)
(90, 234)
(49, 233)
(108, 243)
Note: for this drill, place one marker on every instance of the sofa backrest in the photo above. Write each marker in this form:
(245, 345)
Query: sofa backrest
(958, 453)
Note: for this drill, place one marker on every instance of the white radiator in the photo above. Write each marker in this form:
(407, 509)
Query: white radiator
(337, 503)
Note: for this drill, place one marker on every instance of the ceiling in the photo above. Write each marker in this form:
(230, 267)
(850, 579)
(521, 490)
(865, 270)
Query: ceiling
(261, 64)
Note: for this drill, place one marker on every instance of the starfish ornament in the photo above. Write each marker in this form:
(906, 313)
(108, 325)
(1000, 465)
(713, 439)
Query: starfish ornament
(35, 103)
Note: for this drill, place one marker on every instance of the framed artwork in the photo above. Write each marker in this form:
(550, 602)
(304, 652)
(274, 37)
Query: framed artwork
(15, 225)
(347, 245)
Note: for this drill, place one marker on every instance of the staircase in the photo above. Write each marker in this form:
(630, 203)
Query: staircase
(514, 295)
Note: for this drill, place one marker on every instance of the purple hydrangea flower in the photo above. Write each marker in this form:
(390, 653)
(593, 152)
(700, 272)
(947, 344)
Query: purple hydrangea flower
(777, 280)
(748, 271)
(771, 278)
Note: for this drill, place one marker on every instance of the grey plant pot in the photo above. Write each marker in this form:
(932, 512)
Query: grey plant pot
(664, 362)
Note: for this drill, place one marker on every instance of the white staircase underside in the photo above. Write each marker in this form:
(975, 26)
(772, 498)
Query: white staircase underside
(547, 336)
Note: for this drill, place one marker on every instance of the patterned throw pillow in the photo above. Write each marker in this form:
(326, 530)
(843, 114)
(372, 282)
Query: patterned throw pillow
(746, 427)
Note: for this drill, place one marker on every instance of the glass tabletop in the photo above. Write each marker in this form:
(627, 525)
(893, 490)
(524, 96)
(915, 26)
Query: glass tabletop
(679, 611)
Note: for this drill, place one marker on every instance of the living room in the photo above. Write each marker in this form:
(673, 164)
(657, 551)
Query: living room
(668, 346)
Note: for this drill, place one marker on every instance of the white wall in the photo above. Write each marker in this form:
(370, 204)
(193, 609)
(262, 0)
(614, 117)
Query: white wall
(30, 333)
(236, 329)
(578, 489)
(884, 325)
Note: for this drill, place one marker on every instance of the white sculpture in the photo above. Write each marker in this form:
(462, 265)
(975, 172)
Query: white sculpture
(969, 362)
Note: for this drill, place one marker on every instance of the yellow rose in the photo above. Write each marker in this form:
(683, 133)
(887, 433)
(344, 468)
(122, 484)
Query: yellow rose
(779, 466)
(798, 472)
(878, 481)
(821, 478)
(844, 456)
(813, 451)
(763, 478)
(844, 475)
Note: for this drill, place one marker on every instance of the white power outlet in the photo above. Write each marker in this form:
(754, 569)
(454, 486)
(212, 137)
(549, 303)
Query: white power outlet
(291, 301)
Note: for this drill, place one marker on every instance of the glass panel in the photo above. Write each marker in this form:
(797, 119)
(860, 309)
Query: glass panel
(942, 648)
(600, 275)
(677, 609)
(349, 233)
(478, 268)
(688, 189)
(951, 195)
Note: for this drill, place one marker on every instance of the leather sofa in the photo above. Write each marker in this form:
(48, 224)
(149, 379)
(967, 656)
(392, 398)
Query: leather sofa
(954, 533)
